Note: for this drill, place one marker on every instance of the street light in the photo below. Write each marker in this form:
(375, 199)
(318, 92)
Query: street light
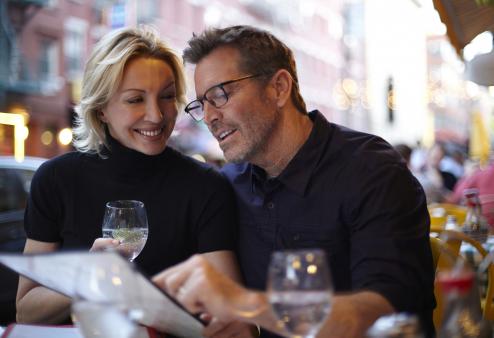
(20, 132)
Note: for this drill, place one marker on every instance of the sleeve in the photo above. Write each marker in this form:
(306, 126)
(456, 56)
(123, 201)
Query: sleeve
(43, 209)
(216, 223)
(390, 250)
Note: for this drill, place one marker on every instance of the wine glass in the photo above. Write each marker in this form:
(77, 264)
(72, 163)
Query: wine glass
(300, 290)
(107, 300)
(126, 221)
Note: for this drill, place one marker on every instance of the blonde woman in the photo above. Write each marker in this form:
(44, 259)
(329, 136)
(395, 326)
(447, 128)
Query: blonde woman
(132, 89)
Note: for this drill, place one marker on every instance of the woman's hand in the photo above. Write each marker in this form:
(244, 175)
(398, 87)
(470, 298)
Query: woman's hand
(101, 244)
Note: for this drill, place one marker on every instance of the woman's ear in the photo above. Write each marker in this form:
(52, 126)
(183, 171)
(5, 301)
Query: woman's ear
(282, 82)
(102, 117)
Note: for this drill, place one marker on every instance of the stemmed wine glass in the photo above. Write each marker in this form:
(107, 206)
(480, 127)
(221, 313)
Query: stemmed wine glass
(107, 300)
(300, 290)
(126, 221)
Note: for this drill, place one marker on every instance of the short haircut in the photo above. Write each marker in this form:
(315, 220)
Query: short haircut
(260, 53)
(103, 75)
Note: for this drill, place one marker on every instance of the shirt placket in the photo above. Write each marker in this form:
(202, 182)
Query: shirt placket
(270, 207)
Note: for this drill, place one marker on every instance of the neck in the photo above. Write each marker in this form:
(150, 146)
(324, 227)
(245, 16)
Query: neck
(284, 143)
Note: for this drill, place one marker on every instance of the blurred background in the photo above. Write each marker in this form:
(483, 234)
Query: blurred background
(388, 67)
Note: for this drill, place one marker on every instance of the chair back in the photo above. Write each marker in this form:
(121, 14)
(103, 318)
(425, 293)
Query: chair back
(443, 259)
(445, 251)
(436, 247)
(439, 212)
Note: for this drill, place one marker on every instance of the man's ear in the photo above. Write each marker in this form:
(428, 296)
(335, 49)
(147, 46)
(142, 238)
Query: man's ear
(282, 82)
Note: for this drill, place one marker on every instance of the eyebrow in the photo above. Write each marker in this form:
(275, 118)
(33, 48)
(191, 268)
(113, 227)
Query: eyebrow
(172, 83)
(216, 85)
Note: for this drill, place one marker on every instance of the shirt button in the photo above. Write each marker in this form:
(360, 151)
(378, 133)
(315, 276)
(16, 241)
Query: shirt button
(270, 205)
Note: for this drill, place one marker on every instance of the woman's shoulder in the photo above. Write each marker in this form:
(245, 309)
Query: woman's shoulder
(63, 163)
(63, 160)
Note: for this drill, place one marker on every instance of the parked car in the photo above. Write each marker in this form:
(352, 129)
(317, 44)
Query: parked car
(15, 180)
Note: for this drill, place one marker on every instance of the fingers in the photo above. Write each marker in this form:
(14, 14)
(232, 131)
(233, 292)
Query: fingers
(206, 317)
(104, 243)
(191, 293)
(175, 281)
(196, 285)
(172, 279)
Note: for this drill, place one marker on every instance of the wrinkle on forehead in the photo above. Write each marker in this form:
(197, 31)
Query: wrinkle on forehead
(218, 66)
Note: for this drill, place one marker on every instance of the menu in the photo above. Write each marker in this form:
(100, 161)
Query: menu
(66, 331)
(60, 270)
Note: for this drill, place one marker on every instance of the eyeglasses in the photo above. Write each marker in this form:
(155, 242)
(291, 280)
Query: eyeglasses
(216, 96)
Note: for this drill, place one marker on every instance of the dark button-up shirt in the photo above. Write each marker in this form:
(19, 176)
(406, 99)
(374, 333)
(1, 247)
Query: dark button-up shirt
(351, 194)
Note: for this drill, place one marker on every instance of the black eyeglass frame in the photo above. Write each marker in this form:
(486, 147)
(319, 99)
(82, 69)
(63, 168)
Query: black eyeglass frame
(220, 86)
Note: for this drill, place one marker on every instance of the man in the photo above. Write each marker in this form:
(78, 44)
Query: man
(481, 179)
(302, 182)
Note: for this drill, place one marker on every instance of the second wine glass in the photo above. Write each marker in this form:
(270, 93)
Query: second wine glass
(126, 221)
(300, 290)
(107, 299)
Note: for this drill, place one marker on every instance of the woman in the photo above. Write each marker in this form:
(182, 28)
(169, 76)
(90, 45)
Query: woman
(133, 85)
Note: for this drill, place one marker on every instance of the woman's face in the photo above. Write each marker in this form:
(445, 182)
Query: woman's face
(142, 113)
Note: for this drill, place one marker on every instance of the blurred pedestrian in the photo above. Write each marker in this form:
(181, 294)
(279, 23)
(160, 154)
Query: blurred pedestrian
(483, 180)
(453, 164)
(437, 184)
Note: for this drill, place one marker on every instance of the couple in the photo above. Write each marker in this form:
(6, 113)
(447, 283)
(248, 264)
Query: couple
(298, 182)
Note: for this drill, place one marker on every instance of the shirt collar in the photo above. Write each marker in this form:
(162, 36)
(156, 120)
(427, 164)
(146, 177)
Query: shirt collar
(297, 174)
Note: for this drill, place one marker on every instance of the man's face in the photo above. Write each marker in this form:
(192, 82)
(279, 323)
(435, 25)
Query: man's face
(244, 125)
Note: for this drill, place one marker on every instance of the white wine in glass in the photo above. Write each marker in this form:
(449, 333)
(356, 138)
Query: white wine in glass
(126, 221)
(300, 290)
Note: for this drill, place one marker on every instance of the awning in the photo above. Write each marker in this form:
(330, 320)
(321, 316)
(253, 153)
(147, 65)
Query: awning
(464, 20)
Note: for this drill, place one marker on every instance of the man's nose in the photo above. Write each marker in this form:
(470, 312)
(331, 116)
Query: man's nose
(211, 113)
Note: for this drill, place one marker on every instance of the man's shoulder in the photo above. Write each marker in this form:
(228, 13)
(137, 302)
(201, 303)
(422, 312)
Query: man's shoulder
(359, 140)
(365, 149)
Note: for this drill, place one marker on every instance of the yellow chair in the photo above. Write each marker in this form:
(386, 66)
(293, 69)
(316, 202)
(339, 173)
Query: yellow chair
(445, 251)
(439, 212)
(440, 252)
(436, 247)
(437, 225)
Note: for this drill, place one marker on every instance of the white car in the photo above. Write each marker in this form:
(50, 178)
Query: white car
(15, 180)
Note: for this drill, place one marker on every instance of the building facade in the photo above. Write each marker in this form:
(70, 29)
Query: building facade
(44, 45)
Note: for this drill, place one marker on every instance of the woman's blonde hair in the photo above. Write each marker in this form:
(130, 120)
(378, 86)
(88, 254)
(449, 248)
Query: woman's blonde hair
(103, 75)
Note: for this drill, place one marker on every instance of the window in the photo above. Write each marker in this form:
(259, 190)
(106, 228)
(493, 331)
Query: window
(117, 15)
(74, 46)
(51, 4)
(48, 60)
(147, 11)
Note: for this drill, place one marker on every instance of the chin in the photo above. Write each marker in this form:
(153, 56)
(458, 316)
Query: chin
(235, 157)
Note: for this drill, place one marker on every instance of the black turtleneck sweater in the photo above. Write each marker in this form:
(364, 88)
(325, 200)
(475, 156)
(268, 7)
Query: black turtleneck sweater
(191, 208)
